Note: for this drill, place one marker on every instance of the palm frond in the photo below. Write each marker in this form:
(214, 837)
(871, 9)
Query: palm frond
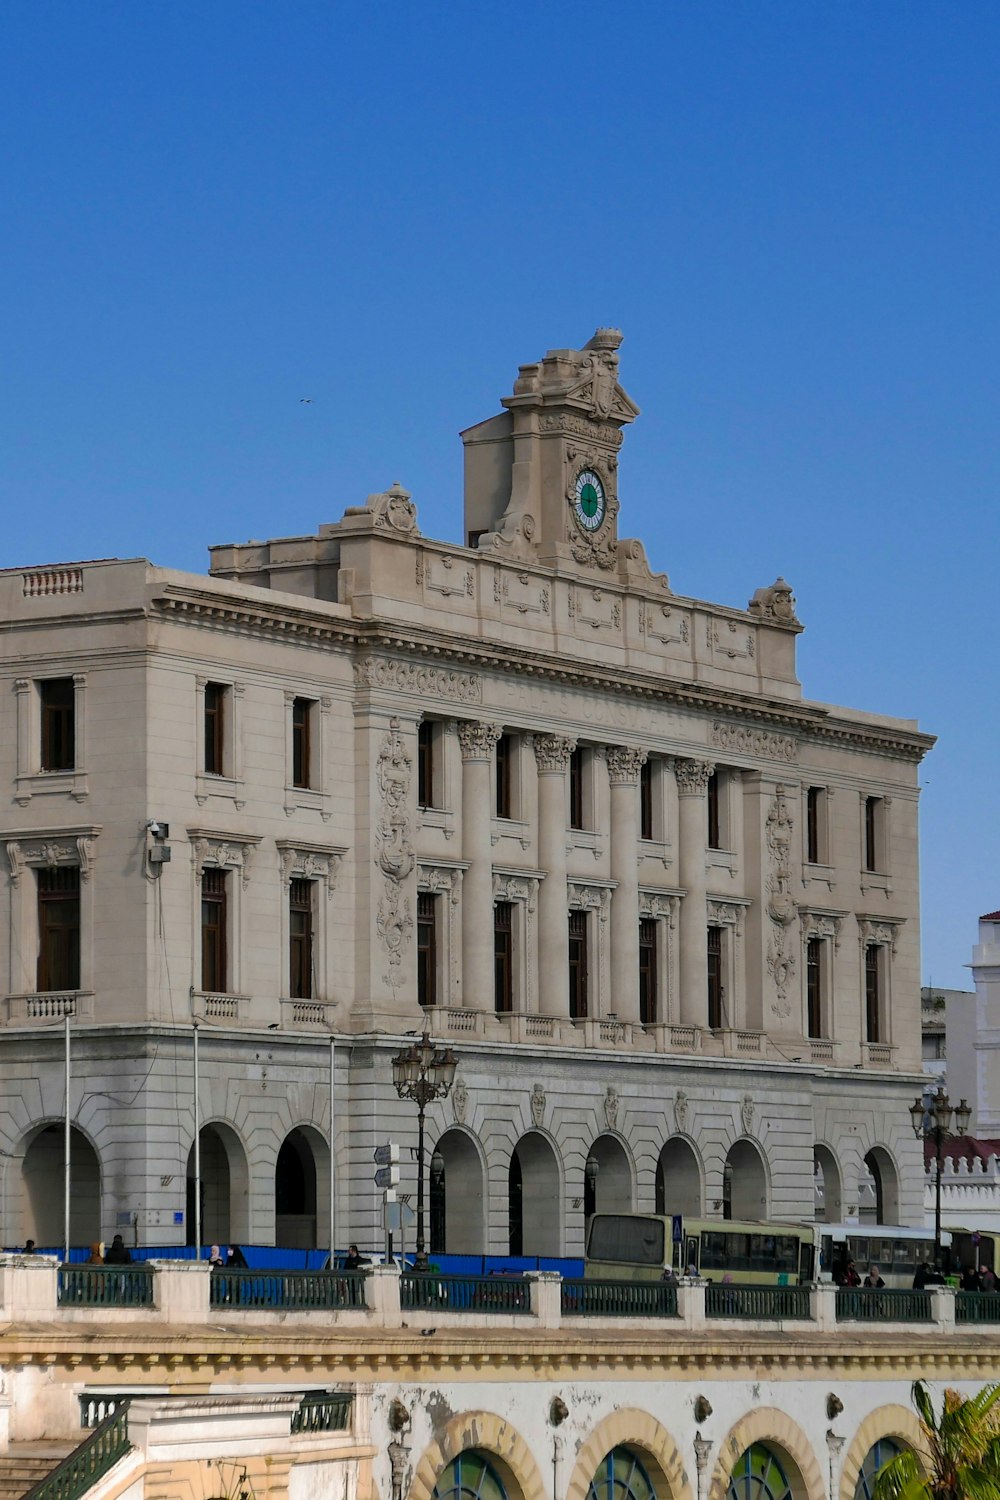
(902, 1478)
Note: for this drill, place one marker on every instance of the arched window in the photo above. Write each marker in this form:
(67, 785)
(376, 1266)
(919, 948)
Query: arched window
(470, 1476)
(876, 1458)
(757, 1475)
(620, 1476)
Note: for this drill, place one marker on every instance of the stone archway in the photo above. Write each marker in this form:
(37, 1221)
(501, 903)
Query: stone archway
(744, 1182)
(608, 1189)
(535, 1197)
(882, 1205)
(679, 1179)
(640, 1431)
(457, 1196)
(225, 1187)
(302, 1189)
(897, 1422)
(828, 1185)
(779, 1433)
(484, 1432)
(42, 1194)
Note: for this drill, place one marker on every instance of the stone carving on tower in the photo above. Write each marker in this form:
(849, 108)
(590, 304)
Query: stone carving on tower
(780, 905)
(394, 853)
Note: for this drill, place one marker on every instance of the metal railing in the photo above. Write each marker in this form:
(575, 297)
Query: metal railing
(105, 1286)
(97, 1406)
(977, 1307)
(324, 1411)
(493, 1294)
(878, 1305)
(619, 1299)
(280, 1291)
(82, 1468)
(766, 1303)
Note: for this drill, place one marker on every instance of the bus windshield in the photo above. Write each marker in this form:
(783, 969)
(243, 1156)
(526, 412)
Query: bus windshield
(629, 1238)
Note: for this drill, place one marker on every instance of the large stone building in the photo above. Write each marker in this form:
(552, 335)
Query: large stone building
(518, 792)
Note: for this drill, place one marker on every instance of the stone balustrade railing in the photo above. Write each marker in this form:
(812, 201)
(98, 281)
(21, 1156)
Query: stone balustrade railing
(37, 1289)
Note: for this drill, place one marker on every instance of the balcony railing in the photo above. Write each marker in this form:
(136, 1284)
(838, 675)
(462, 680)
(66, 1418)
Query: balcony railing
(280, 1291)
(977, 1307)
(49, 1005)
(428, 1291)
(871, 1305)
(105, 1286)
(878, 1054)
(767, 1303)
(324, 1411)
(619, 1299)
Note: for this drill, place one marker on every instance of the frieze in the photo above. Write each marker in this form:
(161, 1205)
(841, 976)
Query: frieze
(762, 743)
(580, 427)
(413, 677)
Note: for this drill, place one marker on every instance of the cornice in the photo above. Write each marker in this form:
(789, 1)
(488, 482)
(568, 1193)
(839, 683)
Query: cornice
(812, 723)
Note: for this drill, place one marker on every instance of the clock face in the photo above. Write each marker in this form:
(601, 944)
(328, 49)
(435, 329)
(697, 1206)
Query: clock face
(590, 502)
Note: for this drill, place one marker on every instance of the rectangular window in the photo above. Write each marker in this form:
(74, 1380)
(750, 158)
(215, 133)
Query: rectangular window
(873, 993)
(426, 948)
(216, 694)
(646, 800)
(58, 698)
(714, 821)
(813, 795)
(716, 991)
(302, 712)
(426, 747)
(505, 754)
(578, 965)
(213, 932)
(576, 789)
(503, 957)
(875, 834)
(300, 939)
(814, 987)
(647, 972)
(59, 929)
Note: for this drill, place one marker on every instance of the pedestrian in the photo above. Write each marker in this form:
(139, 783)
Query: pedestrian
(236, 1260)
(874, 1277)
(354, 1260)
(669, 1276)
(29, 1247)
(987, 1280)
(215, 1258)
(851, 1277)
(970, 1279)
(95, 1258)
(934, 1276)
(118, 1253)
(920, 1276)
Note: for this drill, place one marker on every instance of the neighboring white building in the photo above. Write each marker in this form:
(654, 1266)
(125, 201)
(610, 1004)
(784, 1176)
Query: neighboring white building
(585, 829)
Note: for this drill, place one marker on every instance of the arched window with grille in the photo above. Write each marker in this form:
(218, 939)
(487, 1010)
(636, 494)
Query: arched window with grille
(470, 1476)
(876, 1458)
(757, 1475)
(621, 1476)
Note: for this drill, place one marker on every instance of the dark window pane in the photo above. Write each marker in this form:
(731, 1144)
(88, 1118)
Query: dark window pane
(647, 972)
(712, 800)
(873, 997)
(715, 990)
(302, 709)
(215, 728)
(504, 754)
(58, 698)
(503, 954)
(59, 929)
(576, 789)
(814, 986)
(300, 932)
(426, 948)
(578, 965)
(646, 800)
(425, 764)
(812, 825)
(213, 932)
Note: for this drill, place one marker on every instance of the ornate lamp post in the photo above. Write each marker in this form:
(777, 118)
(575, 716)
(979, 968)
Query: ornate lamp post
(422, 1073)
(932, 1121)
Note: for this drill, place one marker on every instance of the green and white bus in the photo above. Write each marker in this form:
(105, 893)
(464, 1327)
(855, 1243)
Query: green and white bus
(627, 1247)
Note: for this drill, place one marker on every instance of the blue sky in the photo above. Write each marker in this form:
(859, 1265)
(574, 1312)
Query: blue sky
(791, 209)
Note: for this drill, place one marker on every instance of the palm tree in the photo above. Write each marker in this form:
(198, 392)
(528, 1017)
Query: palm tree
(962, 1450)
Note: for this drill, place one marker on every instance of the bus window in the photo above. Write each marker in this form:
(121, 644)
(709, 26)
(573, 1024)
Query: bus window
(786, 1252)
(806, 1268)
(627, 1239)
(713, 1250)
(692, 1252)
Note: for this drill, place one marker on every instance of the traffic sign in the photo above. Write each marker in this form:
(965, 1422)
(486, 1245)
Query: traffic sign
(386, 1177)
(386, 1154)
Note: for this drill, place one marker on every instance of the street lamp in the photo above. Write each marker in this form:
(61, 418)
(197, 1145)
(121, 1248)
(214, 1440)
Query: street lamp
(932, 1121)
(422, 1073)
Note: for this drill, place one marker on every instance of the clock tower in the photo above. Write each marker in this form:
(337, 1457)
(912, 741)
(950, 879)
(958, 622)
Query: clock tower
(541, 480)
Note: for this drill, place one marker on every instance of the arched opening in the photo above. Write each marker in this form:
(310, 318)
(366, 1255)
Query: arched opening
(42, 1183)
(224, 1188)
(827, 1192)
(297, 1179)
(607, 1178)
(678, 1179)
(621, 1475)
(878, 1455)
(457, 1196)
(758, 1474)
(534, 1198)
(744, 1183)
(470, 1476)
(880, 1203)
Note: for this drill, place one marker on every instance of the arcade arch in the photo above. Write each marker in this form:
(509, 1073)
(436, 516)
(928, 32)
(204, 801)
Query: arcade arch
(225, 1187)
(637, 1433)
(829, 1198)
(884, 1198)
(534, 1197)
(763, 1451)
(744, 1182)
(302, 1189)
(457, 1197)
(41, 1195)
(607, 1178)
(679, 1179)
(488, 1436)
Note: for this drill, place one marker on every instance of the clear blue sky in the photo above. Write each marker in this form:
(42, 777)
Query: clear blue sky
(791, 208)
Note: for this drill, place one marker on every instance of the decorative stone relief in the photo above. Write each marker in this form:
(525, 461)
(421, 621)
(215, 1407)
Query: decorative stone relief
(729, 640)
(611, 1107)
(594, 607)
(781, 909)
(394, 854)
(223, 852)
(756, 742)
(657, 904)
(478, 740)
(392, 510)
(51, 851)
(878, 933)
(776, 604)
(521, 592)
(821, 924)
(459, 1101)
(747, 1114)
(307, 862)
(440, 575)
(624, 765)
(552, 752)
(581, 427)
(692, 776)
(514, 539)
(516, 888)
(680, 1110)
(663, 623)
(726, 914)
(413, 677)
(537, 1106)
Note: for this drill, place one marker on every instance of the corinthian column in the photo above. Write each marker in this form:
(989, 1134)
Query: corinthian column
(692, 781)
(624, 766)
(552, 755)
(477, 742)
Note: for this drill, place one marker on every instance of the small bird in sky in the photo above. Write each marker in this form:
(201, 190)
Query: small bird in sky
(305, 401)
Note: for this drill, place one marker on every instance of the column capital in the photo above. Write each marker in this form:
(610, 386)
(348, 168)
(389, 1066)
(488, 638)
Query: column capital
(477, 739)
(552, 752)
(624, 764)
(693, 776)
